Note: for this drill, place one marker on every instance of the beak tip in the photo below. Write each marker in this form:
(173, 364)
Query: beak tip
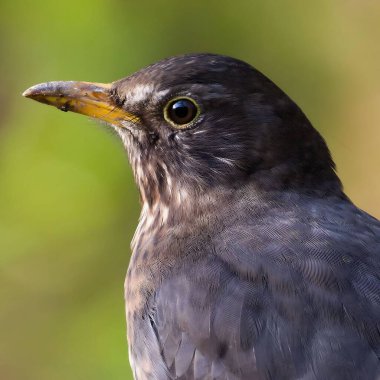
(33, 91)
(27, 93)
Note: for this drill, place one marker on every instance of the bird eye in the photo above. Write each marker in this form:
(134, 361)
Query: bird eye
(181, 112)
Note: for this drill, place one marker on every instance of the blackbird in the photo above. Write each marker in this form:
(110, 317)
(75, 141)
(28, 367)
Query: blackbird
(249, 261)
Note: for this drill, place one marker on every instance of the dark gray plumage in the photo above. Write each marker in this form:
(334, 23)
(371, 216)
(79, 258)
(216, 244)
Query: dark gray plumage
(249, 262)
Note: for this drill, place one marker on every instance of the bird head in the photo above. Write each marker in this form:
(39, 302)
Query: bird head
(198, 122)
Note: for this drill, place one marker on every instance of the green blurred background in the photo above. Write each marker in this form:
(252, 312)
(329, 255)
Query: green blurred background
(68, 204)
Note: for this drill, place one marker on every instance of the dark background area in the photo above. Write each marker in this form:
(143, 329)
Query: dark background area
(68, 204)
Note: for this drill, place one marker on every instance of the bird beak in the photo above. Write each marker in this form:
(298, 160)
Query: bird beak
(90, 99)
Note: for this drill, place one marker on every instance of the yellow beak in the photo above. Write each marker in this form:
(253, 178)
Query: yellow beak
(90, 99)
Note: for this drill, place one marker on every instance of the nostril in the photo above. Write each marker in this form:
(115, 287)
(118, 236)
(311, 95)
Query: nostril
(153, 137)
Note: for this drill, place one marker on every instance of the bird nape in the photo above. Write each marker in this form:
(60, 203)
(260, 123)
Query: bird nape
(249, 262)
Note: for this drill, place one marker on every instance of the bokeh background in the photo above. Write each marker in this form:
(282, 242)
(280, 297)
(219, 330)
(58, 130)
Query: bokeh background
(68, 204)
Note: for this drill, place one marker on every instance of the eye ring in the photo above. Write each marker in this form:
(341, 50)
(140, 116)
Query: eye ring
(181, 112)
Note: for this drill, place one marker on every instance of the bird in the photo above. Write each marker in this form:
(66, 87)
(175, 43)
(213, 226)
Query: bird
(249, 261)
